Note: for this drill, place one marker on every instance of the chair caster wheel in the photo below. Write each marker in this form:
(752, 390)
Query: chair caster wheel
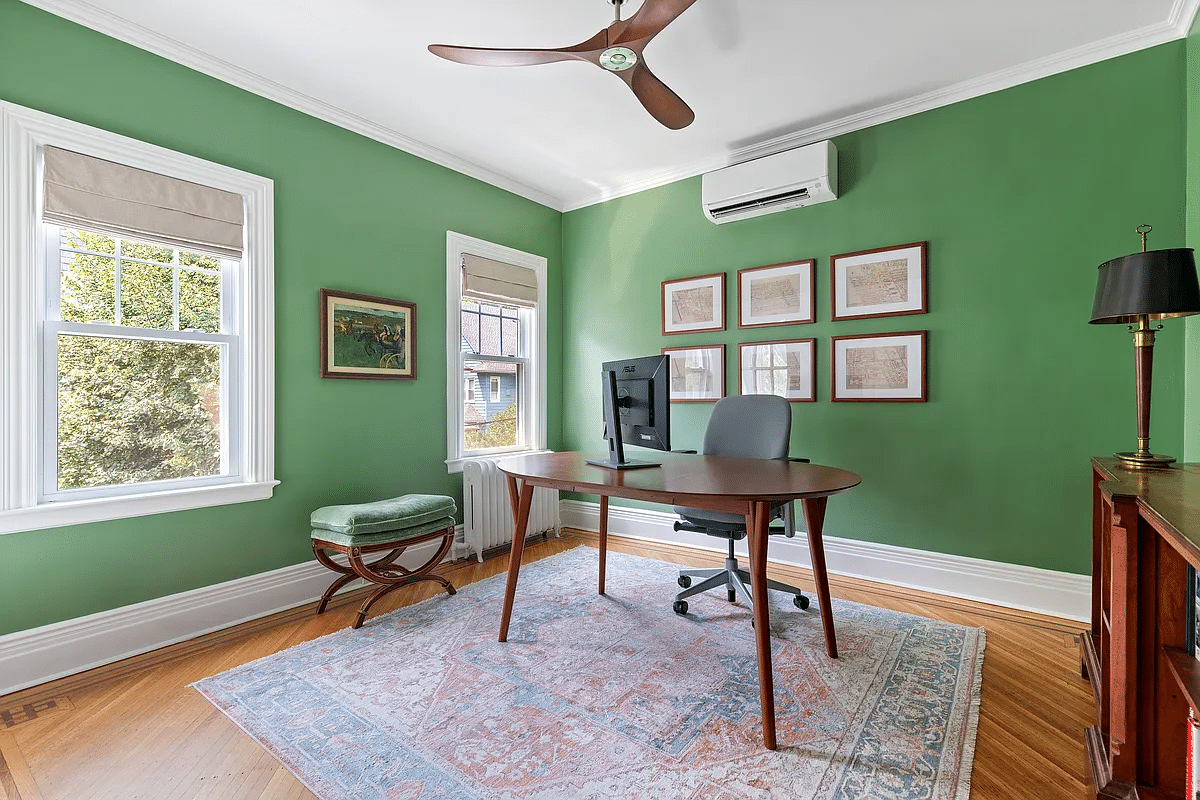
(732, 595)
(800, 601)
(680, 607)
(684, 581)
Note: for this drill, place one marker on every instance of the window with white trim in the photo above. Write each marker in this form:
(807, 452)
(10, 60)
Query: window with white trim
(496, 336)
(136, 293)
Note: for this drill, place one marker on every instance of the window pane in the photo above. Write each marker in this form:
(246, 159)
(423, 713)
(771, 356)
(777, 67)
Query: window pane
(89, 240)
(87, 285)
(490, 418)
(131, 411)
(199, 301)
(147, 251)
(489, 329)
(199, 260)
(147, 296)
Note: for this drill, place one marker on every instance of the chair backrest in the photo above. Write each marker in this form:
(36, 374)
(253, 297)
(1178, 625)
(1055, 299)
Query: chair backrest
(749, 426)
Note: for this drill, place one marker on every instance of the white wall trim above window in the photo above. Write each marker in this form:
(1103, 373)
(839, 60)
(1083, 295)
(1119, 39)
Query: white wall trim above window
(24, 133)
(534, 421)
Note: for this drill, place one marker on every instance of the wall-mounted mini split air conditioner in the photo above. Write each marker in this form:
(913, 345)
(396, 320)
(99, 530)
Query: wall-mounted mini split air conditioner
(800, 177)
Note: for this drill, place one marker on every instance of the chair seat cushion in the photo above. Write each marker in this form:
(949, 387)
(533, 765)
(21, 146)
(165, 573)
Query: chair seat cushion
(382, 537)
(719, 520)
(398, 513)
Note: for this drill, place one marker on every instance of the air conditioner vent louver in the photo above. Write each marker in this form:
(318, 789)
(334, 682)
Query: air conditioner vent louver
(762, 202)
(804, 176)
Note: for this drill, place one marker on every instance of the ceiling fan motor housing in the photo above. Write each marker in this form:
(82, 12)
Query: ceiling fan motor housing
(616, 59)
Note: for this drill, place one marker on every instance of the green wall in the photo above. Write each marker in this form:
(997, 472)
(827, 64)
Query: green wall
(1021, 194)
(1192, 324)
(350, 214)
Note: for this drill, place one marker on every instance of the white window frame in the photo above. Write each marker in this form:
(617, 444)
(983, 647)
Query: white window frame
(495, 388)
(24, 303)
(532, 381)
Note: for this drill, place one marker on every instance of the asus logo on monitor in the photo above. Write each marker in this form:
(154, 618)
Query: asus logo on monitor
(630, 368)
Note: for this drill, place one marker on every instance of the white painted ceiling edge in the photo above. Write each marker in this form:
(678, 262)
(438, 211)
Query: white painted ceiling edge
(1177, 26)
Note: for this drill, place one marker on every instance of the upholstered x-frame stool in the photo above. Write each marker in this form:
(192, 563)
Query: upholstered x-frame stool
(389, 527)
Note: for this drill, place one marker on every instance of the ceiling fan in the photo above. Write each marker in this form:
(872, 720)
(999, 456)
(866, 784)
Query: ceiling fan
(617, 48)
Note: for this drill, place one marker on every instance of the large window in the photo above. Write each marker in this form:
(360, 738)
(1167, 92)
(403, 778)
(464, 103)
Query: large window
(139, 373)
(496, 331)
(137, 328)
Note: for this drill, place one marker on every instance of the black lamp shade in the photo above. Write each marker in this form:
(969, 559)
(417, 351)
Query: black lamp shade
(1158, 284)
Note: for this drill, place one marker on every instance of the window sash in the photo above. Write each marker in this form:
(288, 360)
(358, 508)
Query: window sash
(232, 469)
(532, 345)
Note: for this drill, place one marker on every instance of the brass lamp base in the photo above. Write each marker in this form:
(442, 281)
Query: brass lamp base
(1144, 460)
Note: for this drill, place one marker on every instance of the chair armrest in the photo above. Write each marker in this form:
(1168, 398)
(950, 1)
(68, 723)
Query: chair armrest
(800, 460)
(688, 452)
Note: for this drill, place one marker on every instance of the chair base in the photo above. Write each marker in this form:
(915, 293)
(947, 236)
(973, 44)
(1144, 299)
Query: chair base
(388, 575)
(735, 580)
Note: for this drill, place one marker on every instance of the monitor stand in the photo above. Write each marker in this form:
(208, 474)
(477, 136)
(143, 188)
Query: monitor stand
(612, 419)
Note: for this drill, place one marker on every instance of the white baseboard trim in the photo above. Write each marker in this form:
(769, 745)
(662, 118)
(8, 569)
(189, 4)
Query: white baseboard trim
(1042, 591)
(37, 655)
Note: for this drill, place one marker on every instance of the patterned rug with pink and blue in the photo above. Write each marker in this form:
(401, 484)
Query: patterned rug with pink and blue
(614, 697)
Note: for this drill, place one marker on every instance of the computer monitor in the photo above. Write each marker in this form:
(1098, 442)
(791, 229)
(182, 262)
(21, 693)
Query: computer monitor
(637, 408)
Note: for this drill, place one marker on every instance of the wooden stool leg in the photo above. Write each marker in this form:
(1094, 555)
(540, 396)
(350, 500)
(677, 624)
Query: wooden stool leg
(382, 572)
(325, 561)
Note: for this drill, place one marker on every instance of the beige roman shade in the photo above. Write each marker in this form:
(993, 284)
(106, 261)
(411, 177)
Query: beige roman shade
(82, 191)
(495, 281)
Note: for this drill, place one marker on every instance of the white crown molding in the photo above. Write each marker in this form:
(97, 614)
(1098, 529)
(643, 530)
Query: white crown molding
(120, 28)
(1057, 594)
(1176, 26)
(38, 655)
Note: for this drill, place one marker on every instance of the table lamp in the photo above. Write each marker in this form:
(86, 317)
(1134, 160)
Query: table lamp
(1136, 290)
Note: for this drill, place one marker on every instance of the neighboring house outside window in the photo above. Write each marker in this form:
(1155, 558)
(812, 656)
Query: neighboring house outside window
(138, 322)
(497, 331)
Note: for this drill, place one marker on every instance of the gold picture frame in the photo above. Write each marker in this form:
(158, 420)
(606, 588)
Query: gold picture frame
(367, 337)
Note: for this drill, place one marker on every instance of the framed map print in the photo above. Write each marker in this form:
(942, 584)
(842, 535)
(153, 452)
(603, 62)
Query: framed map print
(786, 368)
(779, 294)
(693, 305)
(879, 367)
(884, 282)
(697, 373)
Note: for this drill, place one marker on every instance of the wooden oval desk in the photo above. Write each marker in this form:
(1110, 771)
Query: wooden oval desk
(735, 485)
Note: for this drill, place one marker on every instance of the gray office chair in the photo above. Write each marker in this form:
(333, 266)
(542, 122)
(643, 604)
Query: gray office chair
(746, 426)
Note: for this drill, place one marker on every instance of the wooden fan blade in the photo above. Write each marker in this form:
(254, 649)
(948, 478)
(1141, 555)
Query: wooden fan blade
(499, 56)
(523, 57)
(662, 103)
(648, 22)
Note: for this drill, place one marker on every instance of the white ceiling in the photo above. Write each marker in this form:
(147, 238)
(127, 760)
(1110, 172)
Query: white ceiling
(761, 75)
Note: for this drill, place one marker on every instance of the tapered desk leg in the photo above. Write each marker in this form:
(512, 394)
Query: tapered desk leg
(518, 546)
(814, 518)
(603, 538)
(756, 528)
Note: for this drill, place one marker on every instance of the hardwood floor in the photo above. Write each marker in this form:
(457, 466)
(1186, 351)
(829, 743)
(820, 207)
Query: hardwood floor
(135, 730)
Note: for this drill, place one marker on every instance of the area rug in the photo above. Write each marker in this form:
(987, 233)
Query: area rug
(615, 697)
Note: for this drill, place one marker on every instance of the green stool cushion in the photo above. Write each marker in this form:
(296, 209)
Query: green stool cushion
(364, 539)
(397, 513)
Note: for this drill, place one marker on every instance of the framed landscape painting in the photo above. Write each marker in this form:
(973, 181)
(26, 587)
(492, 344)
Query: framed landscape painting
(367, 337)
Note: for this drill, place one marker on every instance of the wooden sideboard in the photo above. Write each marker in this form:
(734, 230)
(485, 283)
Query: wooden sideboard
(1145, 533)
